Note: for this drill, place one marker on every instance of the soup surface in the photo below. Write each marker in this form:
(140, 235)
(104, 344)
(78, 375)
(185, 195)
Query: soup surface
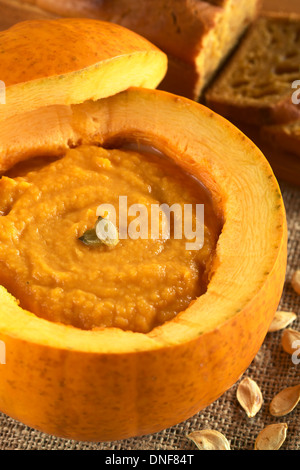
(138, 284)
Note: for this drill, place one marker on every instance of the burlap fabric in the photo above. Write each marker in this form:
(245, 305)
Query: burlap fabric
(272, 369)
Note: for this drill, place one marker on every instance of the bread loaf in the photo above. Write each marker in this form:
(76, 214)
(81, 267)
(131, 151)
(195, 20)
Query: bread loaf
(255, 86)
(284, 137)
(14, 11)
(196, 35)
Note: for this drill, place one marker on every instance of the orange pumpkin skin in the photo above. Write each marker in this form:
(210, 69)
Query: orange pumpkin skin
(85, 394)
(105, 397)
(83, 59)
(110, 384)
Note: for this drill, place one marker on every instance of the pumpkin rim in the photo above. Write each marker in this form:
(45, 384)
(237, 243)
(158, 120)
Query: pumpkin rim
(188, 325)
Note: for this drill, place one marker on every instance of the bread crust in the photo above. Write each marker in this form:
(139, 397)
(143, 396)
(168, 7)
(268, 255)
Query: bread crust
(176, 26)
(285, 137)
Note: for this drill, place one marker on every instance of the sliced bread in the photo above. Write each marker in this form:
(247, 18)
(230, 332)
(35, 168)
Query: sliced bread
(255, 86)
(284, 137)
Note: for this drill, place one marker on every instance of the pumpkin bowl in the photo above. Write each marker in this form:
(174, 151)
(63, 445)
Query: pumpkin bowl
(107, 384)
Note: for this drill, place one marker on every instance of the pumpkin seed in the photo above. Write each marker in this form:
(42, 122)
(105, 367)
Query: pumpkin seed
(208, 439)
(90, 238)
(281, 320)
(271, 437)
(107, 232)
(296, 281)
(249, 396)
(285, 401)
(104, 233)
(289, 340)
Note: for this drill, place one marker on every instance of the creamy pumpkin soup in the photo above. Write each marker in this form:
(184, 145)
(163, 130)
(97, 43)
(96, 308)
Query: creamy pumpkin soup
(135, 283)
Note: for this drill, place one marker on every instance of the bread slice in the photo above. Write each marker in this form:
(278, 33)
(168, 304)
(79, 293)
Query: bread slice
(290, 6)
(197, 35)
(255, 86)
(284, 137)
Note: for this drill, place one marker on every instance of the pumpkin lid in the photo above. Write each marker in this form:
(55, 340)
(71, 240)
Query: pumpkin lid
(70, 61)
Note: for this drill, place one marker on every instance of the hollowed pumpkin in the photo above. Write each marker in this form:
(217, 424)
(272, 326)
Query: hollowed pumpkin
(111, 384)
